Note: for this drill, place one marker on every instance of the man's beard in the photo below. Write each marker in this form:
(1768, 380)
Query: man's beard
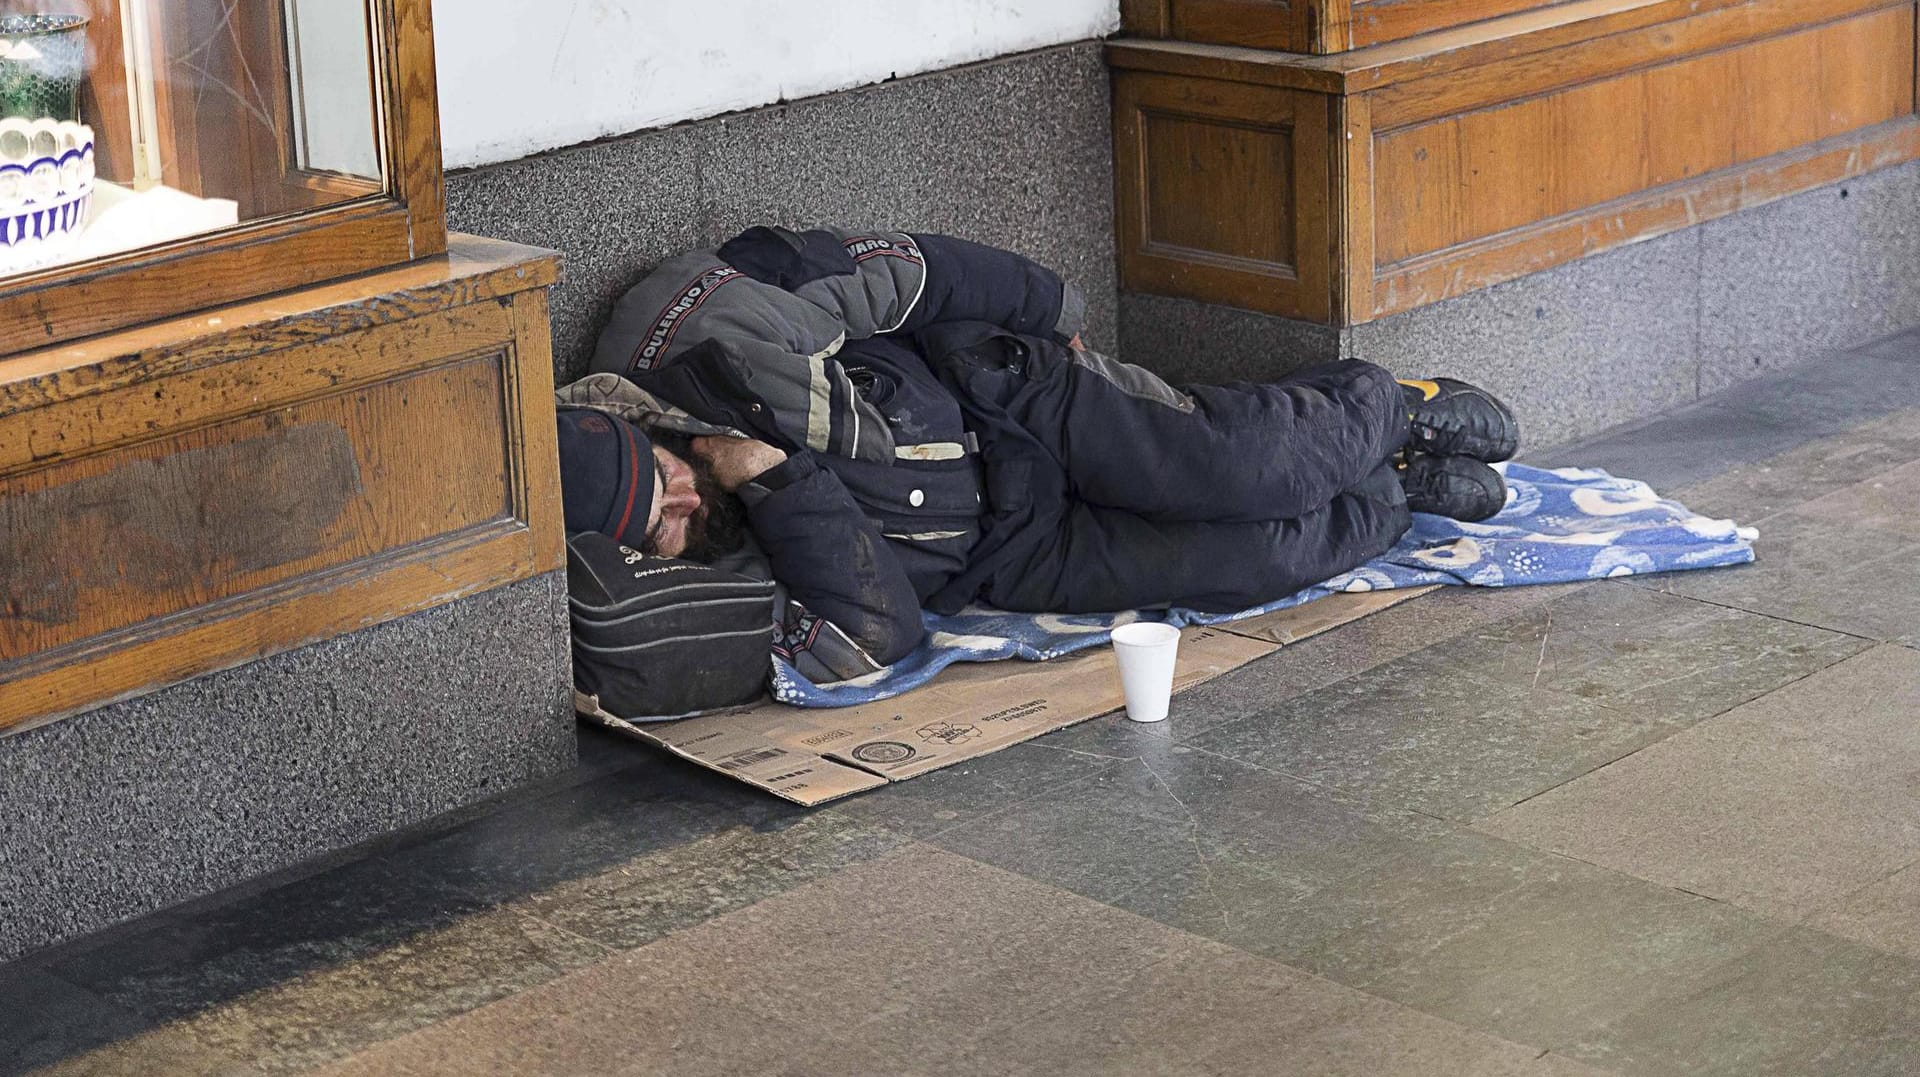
(719, 526)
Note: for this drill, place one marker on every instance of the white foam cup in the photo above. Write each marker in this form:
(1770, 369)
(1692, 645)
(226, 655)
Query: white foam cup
(1146, 653)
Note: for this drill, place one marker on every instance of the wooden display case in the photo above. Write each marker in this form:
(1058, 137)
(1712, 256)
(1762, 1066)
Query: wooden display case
(320, 418)
(209, 94)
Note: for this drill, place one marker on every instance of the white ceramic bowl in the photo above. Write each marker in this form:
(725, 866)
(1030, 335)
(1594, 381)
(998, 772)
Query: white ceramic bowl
(46, 183)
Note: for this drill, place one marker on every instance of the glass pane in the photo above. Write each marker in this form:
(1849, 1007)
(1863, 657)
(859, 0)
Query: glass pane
(130, 123)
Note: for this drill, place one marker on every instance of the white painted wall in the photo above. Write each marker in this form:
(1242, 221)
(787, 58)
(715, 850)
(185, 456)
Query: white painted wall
(520, 76)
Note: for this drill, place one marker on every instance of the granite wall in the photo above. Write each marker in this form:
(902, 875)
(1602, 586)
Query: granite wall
(143, 804)
(1015, 152)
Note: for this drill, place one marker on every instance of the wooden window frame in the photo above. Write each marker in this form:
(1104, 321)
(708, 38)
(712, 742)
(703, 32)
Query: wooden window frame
(405, 222)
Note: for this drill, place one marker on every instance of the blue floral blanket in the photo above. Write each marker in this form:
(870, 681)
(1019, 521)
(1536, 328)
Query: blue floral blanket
(1558, 526)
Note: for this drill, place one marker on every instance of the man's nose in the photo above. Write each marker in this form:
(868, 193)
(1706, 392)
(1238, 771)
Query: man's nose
(679, 497)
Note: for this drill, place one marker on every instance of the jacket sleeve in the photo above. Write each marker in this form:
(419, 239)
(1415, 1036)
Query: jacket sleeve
(972, 282)
(884, 282)
(831, 559)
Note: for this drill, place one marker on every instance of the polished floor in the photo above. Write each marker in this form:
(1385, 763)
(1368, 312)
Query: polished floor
(1653, 826)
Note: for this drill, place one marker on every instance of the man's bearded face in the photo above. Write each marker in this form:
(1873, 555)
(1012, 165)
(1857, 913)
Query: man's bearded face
(692, 516)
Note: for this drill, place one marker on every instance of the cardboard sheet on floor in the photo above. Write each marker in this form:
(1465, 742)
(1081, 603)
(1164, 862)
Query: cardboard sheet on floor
(812, 756)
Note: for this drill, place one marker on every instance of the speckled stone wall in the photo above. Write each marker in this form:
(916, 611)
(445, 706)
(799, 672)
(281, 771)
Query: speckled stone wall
(1616, 337)
(142, 804)
(1015, 152)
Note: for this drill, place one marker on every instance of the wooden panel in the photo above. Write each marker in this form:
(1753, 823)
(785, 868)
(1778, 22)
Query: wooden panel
(1774, 110)
(1426, 87)
(1417, 191)
(177, 503)
(1225, 187)
(1857, 91)
(1638, 33)
(107, 541)
(1470, 267)
(1264, 24)
(86, 423)
(1597, 146)
(471, 271)
(1519, 143)
(531, 430)
(1692, 101)
(1196, 165)
(413, 124)
(1146, 18)
(1320, 28)
(1504, 181)
(1590, 144)
(1379, 21)
(267, 622)
(1353, 188)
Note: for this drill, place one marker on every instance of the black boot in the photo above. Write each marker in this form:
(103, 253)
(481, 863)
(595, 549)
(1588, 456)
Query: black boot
(1452, 418)
(1459, 487)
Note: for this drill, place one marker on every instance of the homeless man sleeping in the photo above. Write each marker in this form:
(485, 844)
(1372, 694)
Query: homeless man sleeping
(843, 427)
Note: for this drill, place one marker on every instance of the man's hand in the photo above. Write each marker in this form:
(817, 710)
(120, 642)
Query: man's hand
(737, 461)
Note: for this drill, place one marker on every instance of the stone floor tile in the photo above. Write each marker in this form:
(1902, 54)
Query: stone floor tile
(1166, 1018)
(1213, 1010)
(617, 1020)
(645, 851)
(1341, 1033)
(1830, 394)
(1818, 571)
(1678, 659)
(1900, 346)
(1679, 448)
(648, 808)
(179, 964)
(1754, 491)
(1188, 837)
(1884, 915)
(661, 890)
(1262, 687)
(1783, 805)
(49, 1026)
(1529, 946)
(1882, 503)
(922, 950)
(160, 1050)
(1803, 1004)
(328, 1013)
(310, 971)
(1425, 734)
(961, 793)
(889, 967)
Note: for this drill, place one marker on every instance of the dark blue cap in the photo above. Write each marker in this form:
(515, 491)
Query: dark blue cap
(606, 475)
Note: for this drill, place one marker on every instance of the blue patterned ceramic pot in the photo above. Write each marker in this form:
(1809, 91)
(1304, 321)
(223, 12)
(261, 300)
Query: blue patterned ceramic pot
(46, 186)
